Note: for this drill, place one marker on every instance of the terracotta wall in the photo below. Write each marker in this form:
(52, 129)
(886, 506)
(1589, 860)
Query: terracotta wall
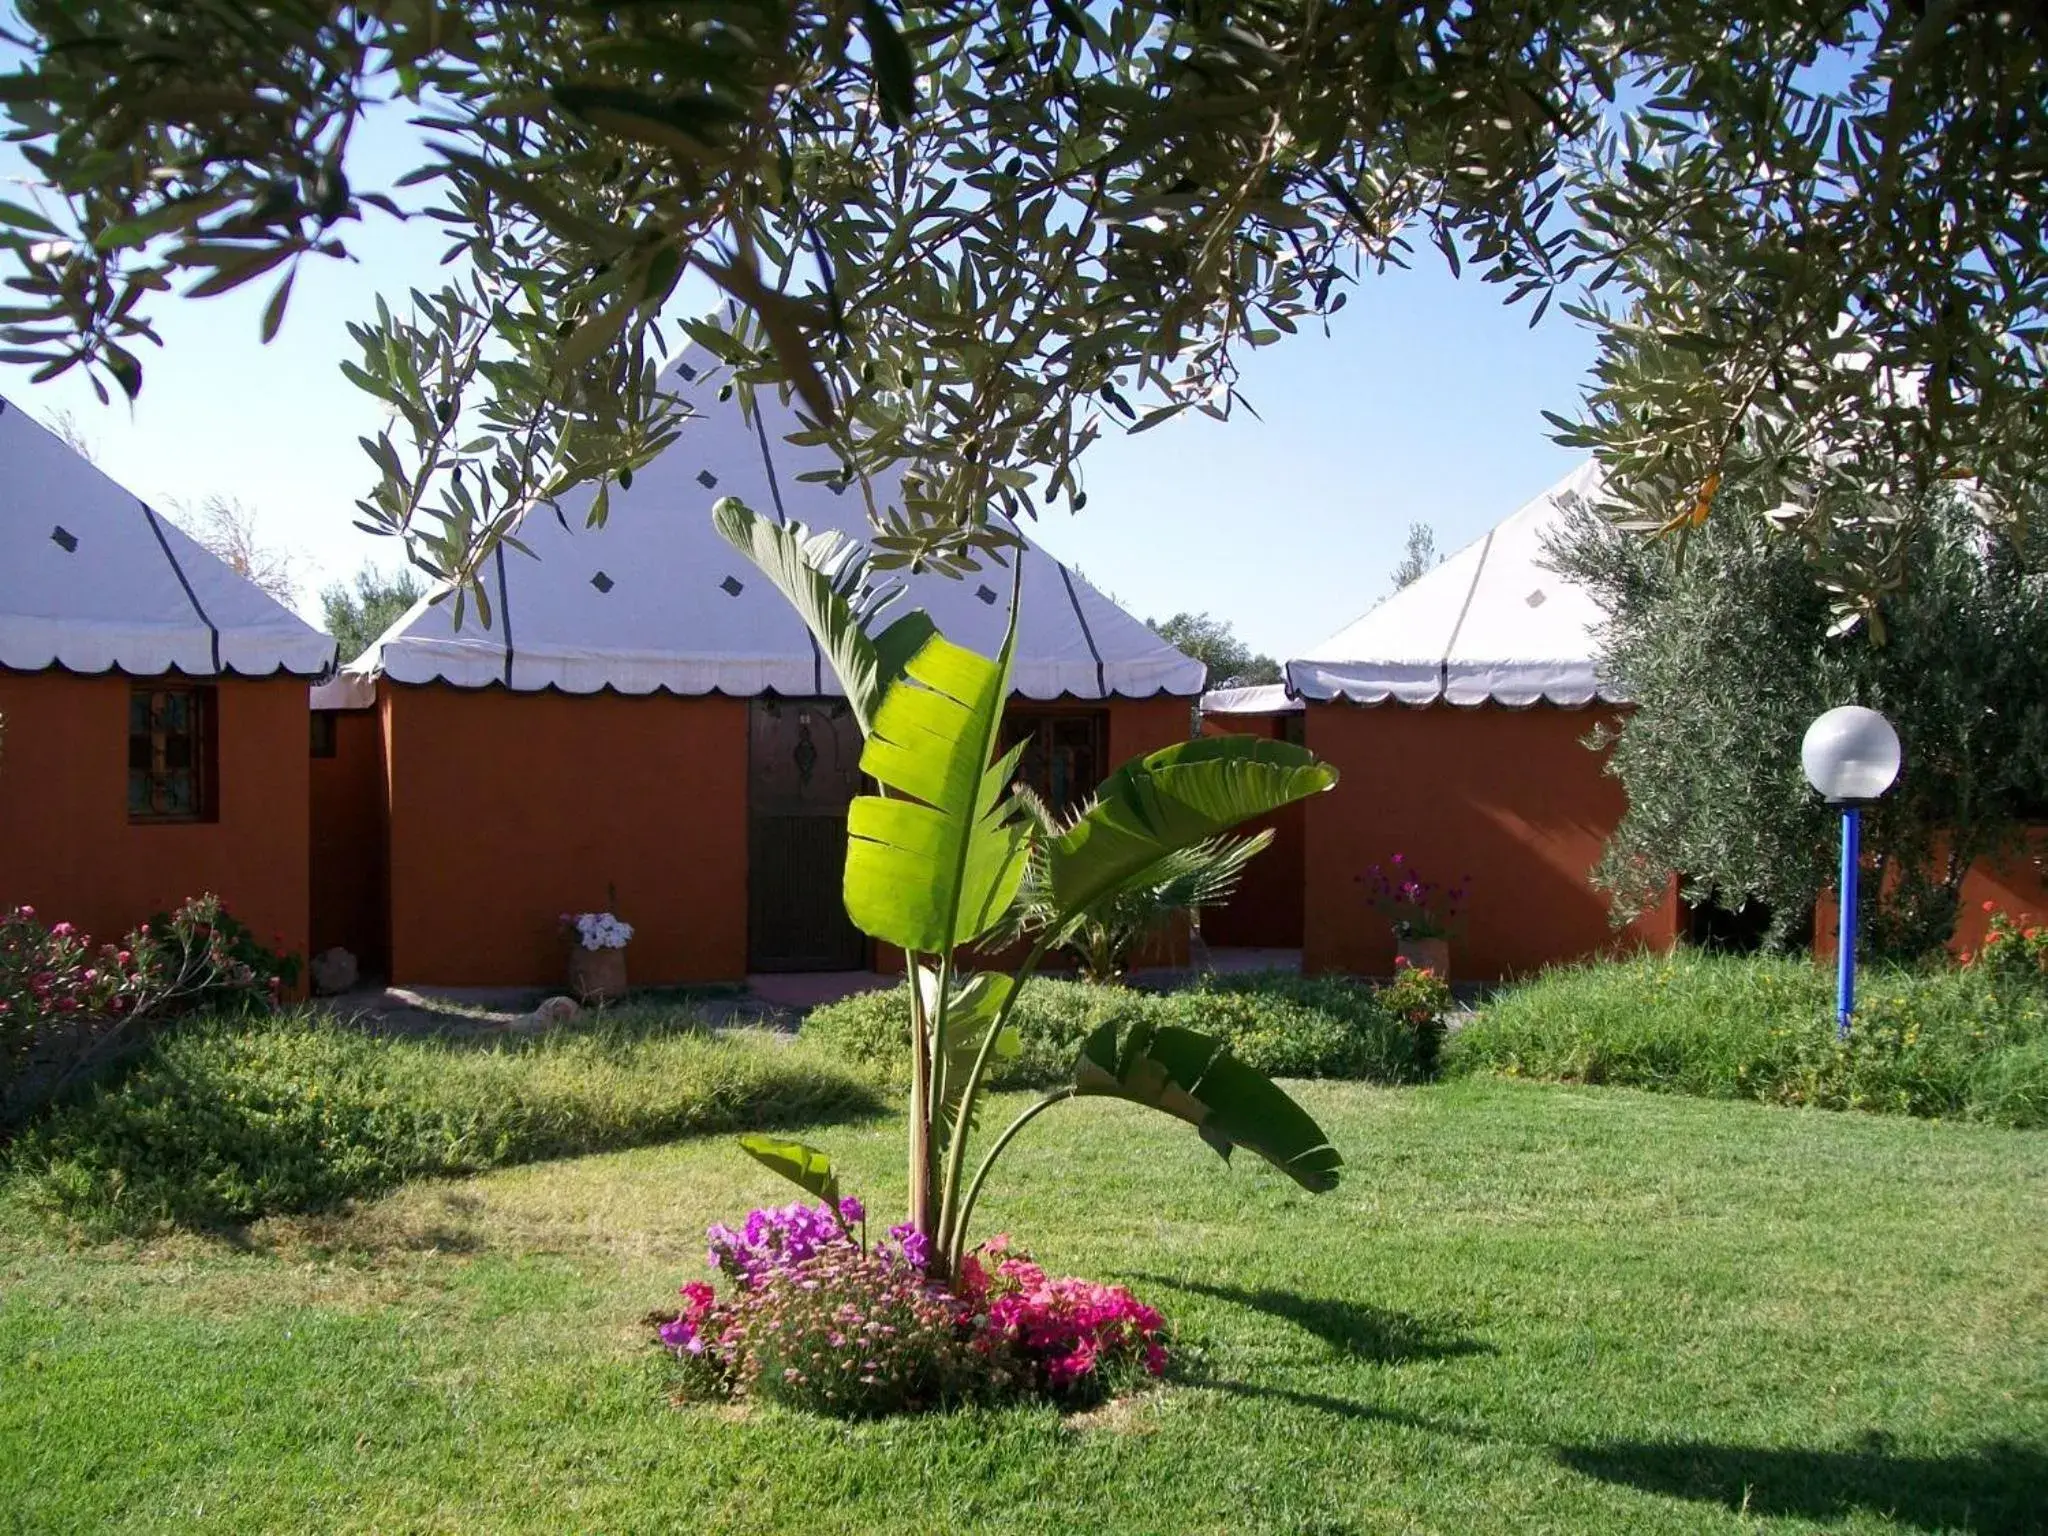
(1266, 911)
(350, 843)
(510, 809)
(2016, 884)
(1510, 797)
(1138, 726)
(68, 849)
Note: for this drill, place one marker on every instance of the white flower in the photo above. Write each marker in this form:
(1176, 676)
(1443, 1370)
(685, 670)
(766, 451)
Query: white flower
(601, 930)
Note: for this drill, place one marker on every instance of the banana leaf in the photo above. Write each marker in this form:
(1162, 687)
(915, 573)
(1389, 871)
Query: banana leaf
(937, 864)
(1194, 1077)
(804, 1166)
(1169, 800)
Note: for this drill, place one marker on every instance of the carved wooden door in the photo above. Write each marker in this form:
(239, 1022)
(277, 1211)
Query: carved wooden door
(803, 769)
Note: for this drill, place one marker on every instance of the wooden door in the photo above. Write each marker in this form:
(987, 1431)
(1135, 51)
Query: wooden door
(803, 767)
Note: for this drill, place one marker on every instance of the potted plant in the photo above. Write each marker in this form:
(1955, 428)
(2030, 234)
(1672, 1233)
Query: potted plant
(597, 955)
(1422, 914)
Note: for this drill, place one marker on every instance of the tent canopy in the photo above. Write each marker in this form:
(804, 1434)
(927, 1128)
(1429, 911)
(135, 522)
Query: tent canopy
(1493, 624)
(657, 601)
(1250, 699)
(92, 580)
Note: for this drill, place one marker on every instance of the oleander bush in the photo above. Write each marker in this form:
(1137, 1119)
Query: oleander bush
(1965, 1042)
(227, 1120)
(68, 1005)
(1278, 1023)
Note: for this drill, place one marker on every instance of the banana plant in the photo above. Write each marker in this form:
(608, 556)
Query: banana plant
(937, 858)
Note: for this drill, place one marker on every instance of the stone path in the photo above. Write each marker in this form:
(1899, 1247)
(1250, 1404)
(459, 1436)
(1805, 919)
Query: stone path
(774, 1002)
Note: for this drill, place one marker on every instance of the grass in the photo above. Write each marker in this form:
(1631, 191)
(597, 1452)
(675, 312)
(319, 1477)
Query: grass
(224, 1121)
(1952, 1044)
(1528, 1308)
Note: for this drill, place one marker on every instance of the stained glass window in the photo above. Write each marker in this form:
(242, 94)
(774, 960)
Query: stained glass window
(1063, 755)
(170, 752)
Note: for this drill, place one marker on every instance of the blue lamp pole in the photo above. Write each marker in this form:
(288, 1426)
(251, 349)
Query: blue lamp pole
(1845, 944)
(1851, 755)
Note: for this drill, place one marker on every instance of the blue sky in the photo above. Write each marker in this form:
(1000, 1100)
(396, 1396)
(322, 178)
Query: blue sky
(1422, 405)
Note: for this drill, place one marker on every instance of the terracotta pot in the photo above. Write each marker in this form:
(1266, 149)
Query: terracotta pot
(1426, 955)
(597, 975)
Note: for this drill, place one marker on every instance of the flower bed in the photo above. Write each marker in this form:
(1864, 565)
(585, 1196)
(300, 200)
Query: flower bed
(815, 1317)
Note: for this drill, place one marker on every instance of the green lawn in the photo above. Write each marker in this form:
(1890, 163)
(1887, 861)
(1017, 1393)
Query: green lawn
(1528, 1308)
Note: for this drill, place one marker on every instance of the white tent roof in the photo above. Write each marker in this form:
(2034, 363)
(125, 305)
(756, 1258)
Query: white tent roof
(1251, 699)
(1492, 624)
(657, 600)
(92, 580)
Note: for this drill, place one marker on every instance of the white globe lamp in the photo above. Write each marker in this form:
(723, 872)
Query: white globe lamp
(1851, 756)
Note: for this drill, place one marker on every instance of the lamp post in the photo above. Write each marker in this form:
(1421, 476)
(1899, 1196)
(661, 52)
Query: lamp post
(1851, 755)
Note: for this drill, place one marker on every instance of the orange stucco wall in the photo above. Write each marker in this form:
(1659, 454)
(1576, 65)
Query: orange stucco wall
(1138, 726)
(1510, 797)
(507, 810)
(1266, 910)
(2016, 884)
(68, 849)
(349, 845)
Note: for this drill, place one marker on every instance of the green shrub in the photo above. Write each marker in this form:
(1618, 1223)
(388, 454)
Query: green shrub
(68, 1005)
(227, 1120)
(1963, 1044)
(1281, 1024)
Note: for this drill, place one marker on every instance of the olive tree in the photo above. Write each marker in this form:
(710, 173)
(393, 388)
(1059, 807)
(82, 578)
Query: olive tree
(971, 236)
(1731, 653)
(1828, 252)
(1212, 642)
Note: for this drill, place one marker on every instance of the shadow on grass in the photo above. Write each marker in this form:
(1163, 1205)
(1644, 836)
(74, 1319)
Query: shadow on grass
(1338, 1407)
(1368, 1332)
(1999, 1489)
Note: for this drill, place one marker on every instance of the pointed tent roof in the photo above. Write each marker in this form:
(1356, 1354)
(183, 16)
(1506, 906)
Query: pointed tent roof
(657, 601)
(93, 580)
(1492, 624)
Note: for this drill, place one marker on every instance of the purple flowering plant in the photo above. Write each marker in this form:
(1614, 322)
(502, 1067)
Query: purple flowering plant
(814, 1317)
(1414, 907)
